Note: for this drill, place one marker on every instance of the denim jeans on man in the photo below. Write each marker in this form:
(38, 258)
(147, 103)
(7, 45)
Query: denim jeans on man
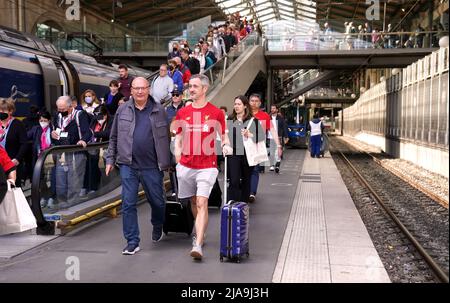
(152, 182)
(69, 175)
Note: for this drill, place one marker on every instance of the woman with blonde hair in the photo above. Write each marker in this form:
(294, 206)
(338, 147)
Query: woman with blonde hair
(89, 101)
(13, 136)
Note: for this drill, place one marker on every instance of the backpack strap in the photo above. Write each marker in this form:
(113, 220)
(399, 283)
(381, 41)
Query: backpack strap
(77, 120)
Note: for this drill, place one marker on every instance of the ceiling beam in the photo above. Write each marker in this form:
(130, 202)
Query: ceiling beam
(169, 12)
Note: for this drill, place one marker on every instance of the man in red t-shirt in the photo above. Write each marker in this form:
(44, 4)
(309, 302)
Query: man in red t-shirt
(196, 127)
(264, 118)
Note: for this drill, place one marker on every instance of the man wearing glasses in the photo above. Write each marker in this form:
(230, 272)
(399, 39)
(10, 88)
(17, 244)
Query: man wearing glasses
(139, 145)
(162, 85)
(174, 106)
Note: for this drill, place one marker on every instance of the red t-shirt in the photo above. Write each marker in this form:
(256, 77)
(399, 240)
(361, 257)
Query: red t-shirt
(199, 127)
(264, 118)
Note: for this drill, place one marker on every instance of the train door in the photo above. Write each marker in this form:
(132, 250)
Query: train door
(52, 82)
(63, 81)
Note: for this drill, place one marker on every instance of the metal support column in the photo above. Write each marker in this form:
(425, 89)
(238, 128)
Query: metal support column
(269, 94)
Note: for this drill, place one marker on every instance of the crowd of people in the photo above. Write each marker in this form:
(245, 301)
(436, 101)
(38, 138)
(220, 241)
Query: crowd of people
(357, 36)
(142, 122)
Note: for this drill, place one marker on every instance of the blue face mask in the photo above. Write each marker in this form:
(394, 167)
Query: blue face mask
(88, 100)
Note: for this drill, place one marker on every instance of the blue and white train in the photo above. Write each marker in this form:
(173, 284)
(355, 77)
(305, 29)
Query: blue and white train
(33, 71)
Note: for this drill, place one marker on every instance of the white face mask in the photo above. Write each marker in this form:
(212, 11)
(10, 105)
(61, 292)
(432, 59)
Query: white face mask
(44, 124)
(101, 121)
(88, 100)
(197, 50)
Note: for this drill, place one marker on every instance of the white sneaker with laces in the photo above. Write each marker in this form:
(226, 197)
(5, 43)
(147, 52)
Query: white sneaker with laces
(272, 168)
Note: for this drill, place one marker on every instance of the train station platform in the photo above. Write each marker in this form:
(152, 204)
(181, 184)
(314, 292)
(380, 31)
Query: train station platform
(304, 227)
(325, 240)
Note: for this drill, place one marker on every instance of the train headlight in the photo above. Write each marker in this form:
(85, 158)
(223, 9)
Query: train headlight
(289, 129)
(301, 129)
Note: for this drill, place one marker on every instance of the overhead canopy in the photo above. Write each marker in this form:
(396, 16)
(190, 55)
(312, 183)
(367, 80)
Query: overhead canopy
(155, 17)
(266, 11)
(335, 12)
(169, 16)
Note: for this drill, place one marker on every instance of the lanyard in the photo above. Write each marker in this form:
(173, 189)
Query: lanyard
(6, 130)
(61, 124)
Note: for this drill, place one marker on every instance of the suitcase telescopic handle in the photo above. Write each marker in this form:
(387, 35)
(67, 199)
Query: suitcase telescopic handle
(175, 180)
(225, 189)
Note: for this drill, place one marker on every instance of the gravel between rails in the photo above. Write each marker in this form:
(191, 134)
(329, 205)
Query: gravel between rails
(426, 219)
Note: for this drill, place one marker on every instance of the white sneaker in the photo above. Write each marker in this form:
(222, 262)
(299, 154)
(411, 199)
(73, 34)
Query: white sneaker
(43, 203)
(272, 168)
(197, 252)
(83, 192)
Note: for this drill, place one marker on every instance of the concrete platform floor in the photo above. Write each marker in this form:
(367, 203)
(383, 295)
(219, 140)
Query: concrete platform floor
(304, 228)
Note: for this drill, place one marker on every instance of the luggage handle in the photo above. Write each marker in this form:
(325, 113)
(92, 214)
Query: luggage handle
(225, 188)
(175, 179)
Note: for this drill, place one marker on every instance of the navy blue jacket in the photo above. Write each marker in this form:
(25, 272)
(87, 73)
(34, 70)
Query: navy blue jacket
(72, 129)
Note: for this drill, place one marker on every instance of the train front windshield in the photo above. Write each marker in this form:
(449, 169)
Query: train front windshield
(295, 116)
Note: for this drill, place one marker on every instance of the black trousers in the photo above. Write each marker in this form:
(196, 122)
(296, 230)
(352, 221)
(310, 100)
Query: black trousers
(239, 174)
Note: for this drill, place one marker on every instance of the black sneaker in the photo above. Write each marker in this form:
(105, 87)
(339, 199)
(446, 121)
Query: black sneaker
(157, 234)
(131, 249)
(277, 170)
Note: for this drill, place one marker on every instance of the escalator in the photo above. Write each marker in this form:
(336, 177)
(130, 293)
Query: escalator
(234, 73)
(305, 82)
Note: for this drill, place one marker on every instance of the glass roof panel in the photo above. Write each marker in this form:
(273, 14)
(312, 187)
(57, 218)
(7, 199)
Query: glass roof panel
(289, 10)
(290, 3)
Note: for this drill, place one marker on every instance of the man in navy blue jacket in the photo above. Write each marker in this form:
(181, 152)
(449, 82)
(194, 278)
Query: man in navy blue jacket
(71, 127)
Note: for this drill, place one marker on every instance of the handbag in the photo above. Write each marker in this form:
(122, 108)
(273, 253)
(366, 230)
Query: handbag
(15, 213)
(256, 152)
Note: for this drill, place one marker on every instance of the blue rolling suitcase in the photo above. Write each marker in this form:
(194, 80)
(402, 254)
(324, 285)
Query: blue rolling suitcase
(234, 227)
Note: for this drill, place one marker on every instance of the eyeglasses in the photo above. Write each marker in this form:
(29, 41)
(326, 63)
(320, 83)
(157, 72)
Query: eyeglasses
(139, 88)
(176, 95)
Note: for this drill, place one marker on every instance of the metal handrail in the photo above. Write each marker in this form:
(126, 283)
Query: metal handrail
(231, 54)
(316, 37)
(37, 174)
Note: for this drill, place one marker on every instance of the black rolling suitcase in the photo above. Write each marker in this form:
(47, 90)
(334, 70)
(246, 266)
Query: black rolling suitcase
(179, 217)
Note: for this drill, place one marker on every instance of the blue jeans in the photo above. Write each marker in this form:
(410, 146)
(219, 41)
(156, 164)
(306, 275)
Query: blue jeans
(316, 141)
(254, 180)
(69, 174)
(152, 182)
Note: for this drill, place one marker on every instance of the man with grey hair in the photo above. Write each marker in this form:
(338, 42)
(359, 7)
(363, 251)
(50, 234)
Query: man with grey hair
(139, 145)
(196, 127)
(71, 128)
(162, 85)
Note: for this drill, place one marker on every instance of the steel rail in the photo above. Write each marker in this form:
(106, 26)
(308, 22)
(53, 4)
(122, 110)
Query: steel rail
(441, 275)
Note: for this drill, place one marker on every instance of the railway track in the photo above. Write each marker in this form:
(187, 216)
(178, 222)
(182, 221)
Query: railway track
(412, 211)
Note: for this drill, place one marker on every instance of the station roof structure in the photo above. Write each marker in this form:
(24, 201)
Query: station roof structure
(142, 14)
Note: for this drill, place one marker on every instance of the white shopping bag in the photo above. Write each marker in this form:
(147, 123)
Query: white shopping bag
(15, 213)
(256, 152)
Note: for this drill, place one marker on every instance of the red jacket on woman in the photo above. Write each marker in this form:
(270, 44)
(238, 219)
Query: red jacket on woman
(6, 162)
